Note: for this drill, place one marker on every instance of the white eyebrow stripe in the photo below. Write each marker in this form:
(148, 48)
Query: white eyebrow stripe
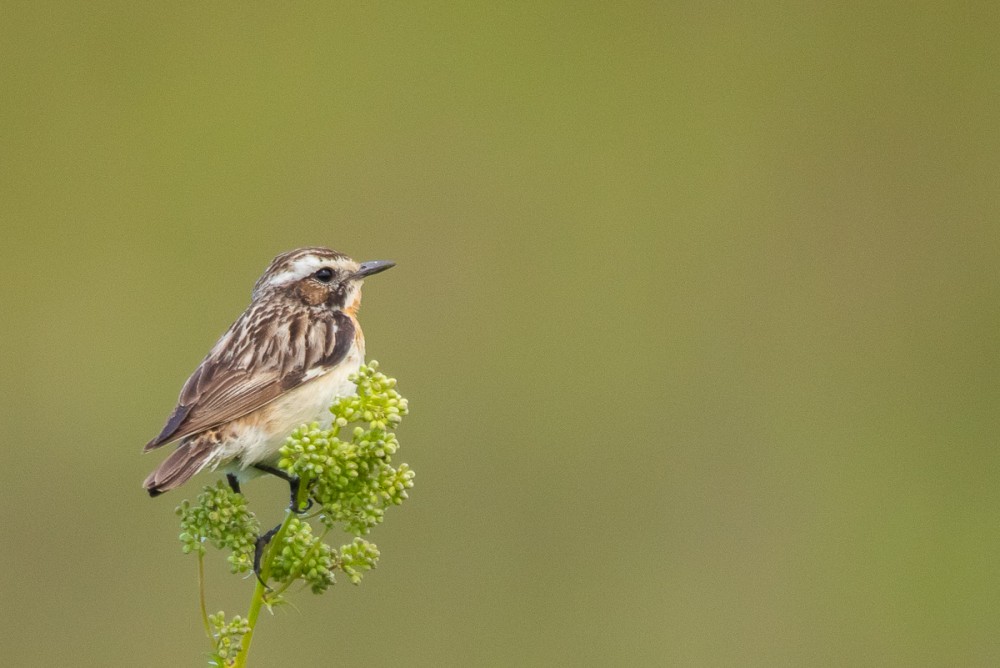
(300, 268)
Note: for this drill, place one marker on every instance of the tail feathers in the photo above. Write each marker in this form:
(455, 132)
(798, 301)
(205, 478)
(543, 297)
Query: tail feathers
(189, 458)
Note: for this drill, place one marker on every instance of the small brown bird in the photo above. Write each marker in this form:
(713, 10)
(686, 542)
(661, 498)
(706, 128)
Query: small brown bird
(280, 365)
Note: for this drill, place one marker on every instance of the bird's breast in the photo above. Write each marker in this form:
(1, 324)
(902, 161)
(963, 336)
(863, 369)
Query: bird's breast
(257, 437)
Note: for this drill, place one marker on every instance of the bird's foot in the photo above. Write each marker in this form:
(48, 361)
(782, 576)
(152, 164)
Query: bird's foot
(258, 552)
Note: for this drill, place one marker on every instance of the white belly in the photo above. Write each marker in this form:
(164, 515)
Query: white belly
(263, 432)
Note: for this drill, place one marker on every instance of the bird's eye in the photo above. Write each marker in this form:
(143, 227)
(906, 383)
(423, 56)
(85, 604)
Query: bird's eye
(324, 275)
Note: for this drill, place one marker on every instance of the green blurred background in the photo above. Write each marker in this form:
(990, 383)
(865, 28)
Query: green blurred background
(696, 308)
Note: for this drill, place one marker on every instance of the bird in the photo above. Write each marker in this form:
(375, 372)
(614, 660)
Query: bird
(280, 365)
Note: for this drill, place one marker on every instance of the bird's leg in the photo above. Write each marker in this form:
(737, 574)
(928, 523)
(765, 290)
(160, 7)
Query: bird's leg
(234, 483)
(258, 551)
(293, 486)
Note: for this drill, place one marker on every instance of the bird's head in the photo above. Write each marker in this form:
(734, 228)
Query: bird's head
(318, 276)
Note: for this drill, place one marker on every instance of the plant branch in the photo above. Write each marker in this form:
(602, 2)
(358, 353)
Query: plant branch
(305, 558)
(352, 481)
(201, 598)
(260, 591)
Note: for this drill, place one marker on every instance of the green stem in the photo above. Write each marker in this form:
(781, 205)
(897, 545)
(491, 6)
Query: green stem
(260, 591)
(201, 598)
(255, 604)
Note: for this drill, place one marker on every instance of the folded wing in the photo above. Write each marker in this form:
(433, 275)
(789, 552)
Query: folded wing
(269, 350)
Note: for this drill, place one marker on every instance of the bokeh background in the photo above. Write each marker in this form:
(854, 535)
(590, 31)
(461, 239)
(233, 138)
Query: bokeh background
(695, 305)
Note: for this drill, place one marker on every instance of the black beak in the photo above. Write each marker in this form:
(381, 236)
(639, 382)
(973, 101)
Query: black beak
(373, 267)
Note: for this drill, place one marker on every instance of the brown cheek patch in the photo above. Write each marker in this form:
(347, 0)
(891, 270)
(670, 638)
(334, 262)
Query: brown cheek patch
(312, 294)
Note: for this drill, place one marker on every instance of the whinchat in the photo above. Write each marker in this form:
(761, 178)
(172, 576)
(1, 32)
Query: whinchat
(280, 365)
